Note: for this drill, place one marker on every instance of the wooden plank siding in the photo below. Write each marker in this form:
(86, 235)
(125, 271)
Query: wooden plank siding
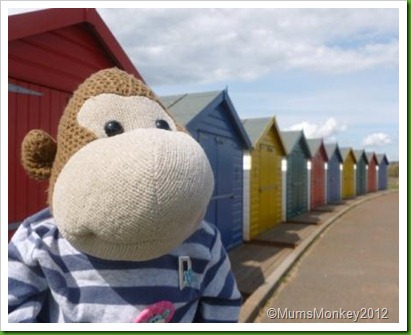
(382, 171)
(297, 188)
(27, 112)
(361, 172)
(318, 174)
(372, 173)
(226, 158)
(266, 186)
(348, 185)
(334, 178)
(50, 52)
(212, 121)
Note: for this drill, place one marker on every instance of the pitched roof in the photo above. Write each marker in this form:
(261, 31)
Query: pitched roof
(371, 156)
(291, 138)
(382, 157)
(315, 144)
(345, 151)
(360, 154)
(41, 21)
(330, 148)
(257, 127)
(185, 107)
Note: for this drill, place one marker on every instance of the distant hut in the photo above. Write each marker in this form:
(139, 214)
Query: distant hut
(334, 172)
(372, 172)
(297, 187)
(212, 120)
(318, 172)
(349, 176)
(361, 171)
(382, 171)
(262, 176)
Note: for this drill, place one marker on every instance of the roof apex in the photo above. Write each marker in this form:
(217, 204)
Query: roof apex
(41, 21)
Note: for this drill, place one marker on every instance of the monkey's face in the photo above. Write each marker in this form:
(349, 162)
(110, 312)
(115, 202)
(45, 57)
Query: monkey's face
(138, 189)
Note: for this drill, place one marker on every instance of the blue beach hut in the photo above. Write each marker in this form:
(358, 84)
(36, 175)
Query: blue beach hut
(212, 120)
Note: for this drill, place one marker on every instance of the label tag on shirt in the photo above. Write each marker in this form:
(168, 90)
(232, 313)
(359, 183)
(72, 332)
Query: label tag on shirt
(185, 272)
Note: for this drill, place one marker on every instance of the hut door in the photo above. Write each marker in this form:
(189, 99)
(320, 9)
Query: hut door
(361, 178)
(269, 187)
(298, 180)
(348, 186)
(219, 151)
(333, 180)
(382, 176)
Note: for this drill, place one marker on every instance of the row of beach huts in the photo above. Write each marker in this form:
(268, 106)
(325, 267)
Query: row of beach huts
(263, 176)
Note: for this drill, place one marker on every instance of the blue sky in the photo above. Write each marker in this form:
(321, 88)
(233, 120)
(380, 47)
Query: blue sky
(333, 72)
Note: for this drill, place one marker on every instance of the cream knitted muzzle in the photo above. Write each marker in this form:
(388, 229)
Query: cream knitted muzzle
(134, 196)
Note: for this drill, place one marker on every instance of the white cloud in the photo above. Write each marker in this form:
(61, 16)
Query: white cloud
(205, 45)
(327, 130)
(376, 139)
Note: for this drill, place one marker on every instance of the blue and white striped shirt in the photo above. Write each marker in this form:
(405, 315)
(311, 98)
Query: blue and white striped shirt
(50, 281)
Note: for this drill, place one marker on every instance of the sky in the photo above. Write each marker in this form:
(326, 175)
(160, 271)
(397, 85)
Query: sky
(332, 72)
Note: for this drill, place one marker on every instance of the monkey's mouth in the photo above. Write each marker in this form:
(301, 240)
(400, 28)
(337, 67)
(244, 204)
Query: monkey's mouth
(135, 249)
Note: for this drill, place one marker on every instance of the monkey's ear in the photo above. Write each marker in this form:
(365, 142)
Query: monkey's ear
(38, 150)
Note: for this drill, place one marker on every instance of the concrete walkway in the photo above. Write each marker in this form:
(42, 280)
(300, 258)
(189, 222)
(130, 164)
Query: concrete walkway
(350, 274)
(260, 265)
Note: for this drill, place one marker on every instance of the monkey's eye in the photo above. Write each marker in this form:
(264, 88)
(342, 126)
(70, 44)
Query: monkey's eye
(113, 128)
(162, 124)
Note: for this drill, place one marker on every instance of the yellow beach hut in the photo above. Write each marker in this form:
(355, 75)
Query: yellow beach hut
(262, 176)
(348, 173)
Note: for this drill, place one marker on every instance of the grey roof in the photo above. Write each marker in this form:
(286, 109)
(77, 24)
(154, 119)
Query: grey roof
(360, 153)
(381, 157)
(369, 155)
(345, 152)
(255, 127)
(290, 139)
(184, 107)
(314, 144)
(330, 148)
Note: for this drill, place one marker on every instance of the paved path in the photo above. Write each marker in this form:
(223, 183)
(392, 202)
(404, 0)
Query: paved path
(353, 266)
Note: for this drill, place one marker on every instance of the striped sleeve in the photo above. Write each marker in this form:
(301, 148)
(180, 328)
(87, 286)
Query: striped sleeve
(221, 300)
(27, 285)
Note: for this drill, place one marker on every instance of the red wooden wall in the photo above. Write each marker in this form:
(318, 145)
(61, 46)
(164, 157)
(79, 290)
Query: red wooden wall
(51, 52)
(60, 59)
(26, 112)
(318, 178)
(372, 175)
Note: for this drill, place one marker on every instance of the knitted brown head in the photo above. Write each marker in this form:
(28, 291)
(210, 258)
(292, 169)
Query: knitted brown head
(126, 182)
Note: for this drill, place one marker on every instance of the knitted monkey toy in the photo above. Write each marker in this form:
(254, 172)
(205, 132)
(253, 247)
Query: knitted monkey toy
(123, 239)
